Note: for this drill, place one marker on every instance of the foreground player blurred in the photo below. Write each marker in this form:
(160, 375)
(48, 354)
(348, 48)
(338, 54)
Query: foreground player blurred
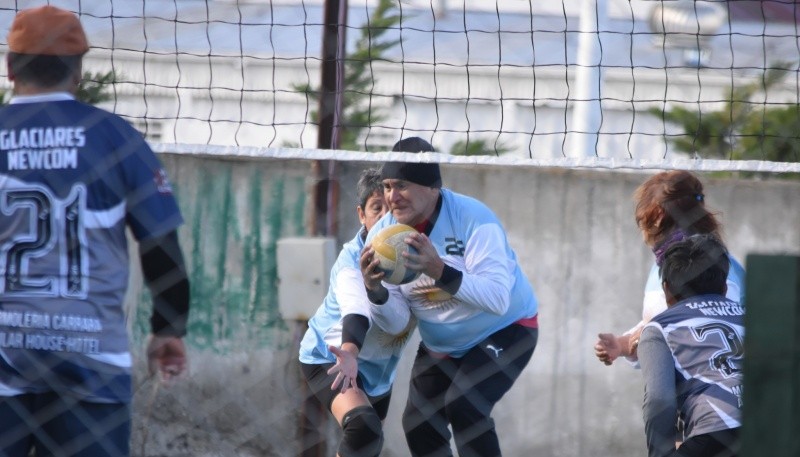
(349, 363)
(476, 309)
(72, 177)
(691, 355)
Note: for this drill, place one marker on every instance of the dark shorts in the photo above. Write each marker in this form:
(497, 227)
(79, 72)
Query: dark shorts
(724, 443)
(63, 426)
(319, 381)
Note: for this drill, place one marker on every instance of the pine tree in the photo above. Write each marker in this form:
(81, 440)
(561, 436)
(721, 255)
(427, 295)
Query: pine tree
(743, 129)
(359, 114)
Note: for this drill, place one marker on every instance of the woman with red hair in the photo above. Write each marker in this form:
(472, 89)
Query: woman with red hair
(670, 207)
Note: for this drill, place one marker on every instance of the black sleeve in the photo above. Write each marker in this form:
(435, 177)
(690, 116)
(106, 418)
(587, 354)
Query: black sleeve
(451, 280)
(165, 275)
(354, 329)
(378, 297)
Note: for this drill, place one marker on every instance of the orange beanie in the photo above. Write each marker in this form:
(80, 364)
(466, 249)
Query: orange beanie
(47, 30)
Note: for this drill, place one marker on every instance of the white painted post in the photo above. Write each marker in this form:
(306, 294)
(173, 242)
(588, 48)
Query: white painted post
(585, 123)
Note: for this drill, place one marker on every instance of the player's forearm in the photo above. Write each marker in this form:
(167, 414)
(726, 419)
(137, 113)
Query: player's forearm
(352, 349)
(354, 331)
(393, 316)
(165, 276)
(378, 295)
(659, 415)
(450, 279)
(624, 343)
(660, 407)
(487, 275)
(489, 294)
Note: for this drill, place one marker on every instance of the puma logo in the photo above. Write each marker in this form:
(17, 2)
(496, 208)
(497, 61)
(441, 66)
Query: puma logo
(495, 349)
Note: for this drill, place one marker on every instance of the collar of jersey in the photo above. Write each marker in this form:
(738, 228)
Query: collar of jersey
(38, 98)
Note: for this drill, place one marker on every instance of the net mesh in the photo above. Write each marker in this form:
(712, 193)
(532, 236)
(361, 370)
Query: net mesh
(597, 82)
(706, 86)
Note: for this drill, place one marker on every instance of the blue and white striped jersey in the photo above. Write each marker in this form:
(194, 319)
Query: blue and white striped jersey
(72, 178)
(691, 357)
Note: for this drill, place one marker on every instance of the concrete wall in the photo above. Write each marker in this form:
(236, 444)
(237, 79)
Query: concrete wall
(572, 230)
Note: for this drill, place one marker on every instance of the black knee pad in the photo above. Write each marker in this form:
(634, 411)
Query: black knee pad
(362, 434)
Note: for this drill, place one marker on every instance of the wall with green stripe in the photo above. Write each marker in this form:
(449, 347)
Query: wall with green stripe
(575, 237)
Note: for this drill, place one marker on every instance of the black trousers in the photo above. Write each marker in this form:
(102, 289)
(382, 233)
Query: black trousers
(461, 392)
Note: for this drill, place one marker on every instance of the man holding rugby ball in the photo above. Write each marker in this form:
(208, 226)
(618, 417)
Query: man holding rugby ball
(476, 310)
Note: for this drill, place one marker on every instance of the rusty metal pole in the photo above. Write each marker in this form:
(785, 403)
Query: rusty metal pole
(340, 21)
(331, 106)
(332, 77)
(314, 416)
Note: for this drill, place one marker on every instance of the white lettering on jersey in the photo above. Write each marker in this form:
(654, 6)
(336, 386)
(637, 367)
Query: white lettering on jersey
(76, 323)
(733, 310)
(11, 340)
(43, 159)
(43, 137)
(62, 343)
(43, 148)
(66, 322)
(27, 319)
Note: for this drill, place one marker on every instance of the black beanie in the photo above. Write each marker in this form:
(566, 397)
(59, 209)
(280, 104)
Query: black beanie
(424, 174)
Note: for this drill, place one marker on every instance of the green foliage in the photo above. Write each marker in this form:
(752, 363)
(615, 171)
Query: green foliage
(773, 134)
(93, 88)
(479, 147)
(358, 77)
(743, 129)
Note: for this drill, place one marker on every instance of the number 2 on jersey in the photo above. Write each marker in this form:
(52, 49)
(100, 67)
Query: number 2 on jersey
(727, 361)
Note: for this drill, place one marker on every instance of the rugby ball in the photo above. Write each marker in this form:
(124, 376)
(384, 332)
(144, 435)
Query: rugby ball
(389, 247)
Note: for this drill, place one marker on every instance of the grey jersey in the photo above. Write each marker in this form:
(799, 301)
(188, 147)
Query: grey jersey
(73, 180)
(691, 357)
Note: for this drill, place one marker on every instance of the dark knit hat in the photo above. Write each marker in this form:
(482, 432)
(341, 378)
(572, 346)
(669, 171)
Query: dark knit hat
(424, 174)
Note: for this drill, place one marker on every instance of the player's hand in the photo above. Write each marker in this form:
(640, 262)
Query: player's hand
(369, 269)
(346, 369)
(426, 260)
(607, 348)
(166, 355)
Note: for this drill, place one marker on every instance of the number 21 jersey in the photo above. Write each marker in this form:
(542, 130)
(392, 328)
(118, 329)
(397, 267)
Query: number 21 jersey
(72, 178)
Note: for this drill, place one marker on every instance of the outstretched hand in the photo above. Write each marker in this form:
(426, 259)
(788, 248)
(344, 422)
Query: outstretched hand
(607, 348)
(166, 355)
(346, 369)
